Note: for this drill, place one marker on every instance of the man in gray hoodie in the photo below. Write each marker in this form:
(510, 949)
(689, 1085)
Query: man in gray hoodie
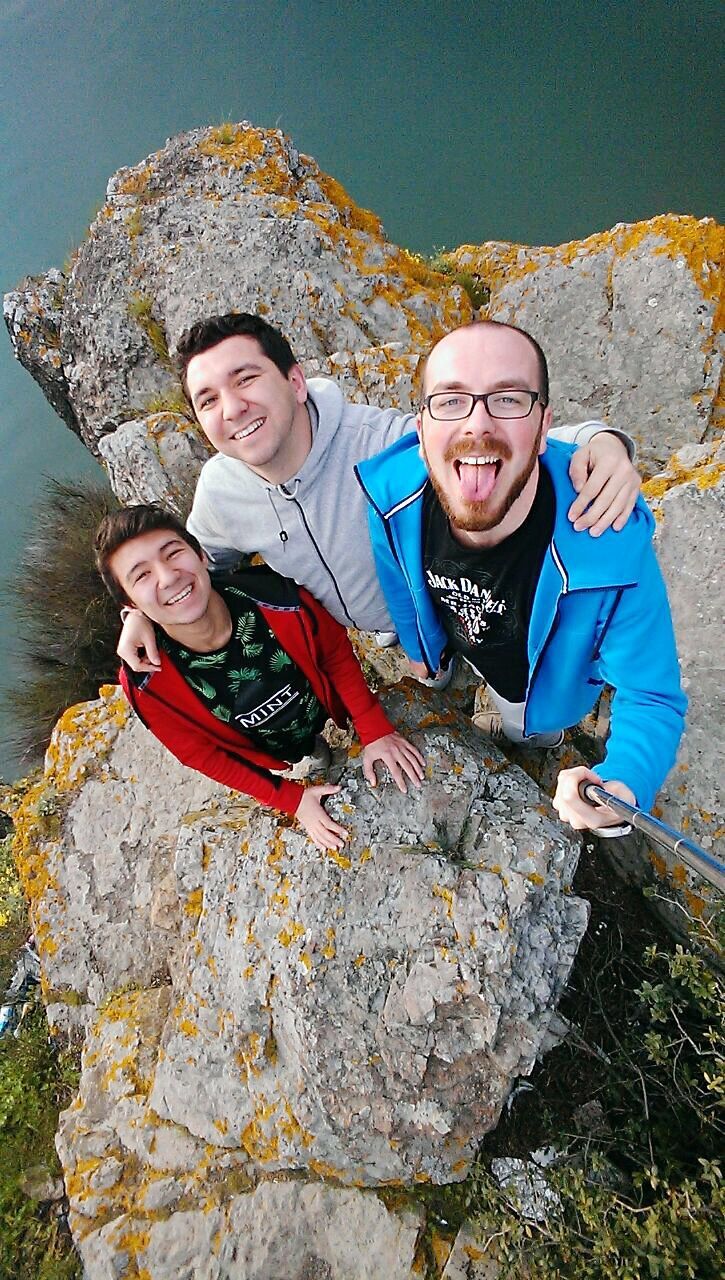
(282, 482)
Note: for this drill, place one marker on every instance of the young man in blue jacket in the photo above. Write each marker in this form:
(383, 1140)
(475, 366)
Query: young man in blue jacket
(476, 555)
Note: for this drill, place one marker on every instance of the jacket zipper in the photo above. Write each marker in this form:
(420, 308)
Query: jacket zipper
(323, 561)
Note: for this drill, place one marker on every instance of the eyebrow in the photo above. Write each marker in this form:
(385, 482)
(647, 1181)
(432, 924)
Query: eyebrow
(139, 563)
(501, 384)
(246, 365)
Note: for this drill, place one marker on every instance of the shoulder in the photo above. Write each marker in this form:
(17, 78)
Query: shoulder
(394, 473)
(366, 419)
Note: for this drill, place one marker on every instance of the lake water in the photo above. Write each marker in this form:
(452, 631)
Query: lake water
(456, 123)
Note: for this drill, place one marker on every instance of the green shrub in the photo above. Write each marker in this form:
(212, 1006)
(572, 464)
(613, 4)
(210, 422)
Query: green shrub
(35, 1083)
(67, 622)
(641, 1190)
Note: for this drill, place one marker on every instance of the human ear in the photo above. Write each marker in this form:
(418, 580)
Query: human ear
(298, 381)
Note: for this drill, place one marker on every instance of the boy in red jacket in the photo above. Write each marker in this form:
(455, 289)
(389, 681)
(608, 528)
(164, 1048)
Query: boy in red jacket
(252, 667)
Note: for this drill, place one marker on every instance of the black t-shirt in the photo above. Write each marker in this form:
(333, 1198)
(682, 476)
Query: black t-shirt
(252, 684)
(484, 595)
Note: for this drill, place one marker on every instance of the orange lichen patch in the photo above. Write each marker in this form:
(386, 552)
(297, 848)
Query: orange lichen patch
(473, 1253)
(439, 891)
(535, 878)
(291, 1129)
(291, 933)
(353, 216)
(705, 475)
(137, 182)
(365, 854)
(193, 904)
(438, 719)
(701, 242)
(658, 863)
(340, 858)
(234, 145)
(695, 903)
(329, 950)
(359, 960)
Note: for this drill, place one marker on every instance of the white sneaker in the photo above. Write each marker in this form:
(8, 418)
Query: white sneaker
(442, 679)
(385, 639)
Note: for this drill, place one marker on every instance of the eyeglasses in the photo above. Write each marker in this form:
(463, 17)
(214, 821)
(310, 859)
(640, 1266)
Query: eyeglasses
(450, 406)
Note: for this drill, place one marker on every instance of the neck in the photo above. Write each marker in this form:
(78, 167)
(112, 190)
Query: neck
(211, 631)
(514, 518)
(287, 461)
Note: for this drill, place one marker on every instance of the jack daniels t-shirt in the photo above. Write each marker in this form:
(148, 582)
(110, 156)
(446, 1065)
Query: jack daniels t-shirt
(484, 595)
(252, 684)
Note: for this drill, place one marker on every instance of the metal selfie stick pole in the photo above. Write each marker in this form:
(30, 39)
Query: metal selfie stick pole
(700, 860)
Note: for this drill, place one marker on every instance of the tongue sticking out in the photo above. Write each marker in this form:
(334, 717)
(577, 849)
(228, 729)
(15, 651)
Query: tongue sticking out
(477, 481)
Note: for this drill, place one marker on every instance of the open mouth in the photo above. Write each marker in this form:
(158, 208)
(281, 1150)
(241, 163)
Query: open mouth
(248, 431)
(477, 475)
(181, 596)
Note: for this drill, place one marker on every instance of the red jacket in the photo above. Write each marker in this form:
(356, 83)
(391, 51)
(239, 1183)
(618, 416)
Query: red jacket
(168, 706)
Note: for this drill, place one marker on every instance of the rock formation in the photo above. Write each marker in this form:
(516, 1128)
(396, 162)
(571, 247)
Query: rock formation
(630, 320)
(254, 1006)
(250, 1008)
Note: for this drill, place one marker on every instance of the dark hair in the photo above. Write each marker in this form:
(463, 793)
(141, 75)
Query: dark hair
(131, 522)
(209, 333)
(541, 358)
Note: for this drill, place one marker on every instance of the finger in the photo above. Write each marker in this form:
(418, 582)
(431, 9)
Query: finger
(621, 509)
(325, 789)
(414, 768)
(333, 834)
(579, 469)
(599, 503)
(369, 772)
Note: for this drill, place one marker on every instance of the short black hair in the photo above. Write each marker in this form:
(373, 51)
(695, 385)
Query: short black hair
(209, 333)
(501, 324)
(119, 527)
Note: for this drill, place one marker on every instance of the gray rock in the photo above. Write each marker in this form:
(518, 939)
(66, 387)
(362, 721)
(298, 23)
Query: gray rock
(628, 322)
(360, 1015)
(219, 220)
(689, 504)
(280, 1231)
(33, 314)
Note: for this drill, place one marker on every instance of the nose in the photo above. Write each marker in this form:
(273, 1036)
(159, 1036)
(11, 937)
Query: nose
(165, 572)
(479, 420)
(232, 402)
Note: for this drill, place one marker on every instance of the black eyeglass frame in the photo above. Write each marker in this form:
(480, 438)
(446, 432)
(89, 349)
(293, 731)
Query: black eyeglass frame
(475, 396)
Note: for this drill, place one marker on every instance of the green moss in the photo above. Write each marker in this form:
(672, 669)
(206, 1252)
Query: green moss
(140, 308)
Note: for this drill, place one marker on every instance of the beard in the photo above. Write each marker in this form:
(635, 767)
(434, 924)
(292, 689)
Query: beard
(474, 516)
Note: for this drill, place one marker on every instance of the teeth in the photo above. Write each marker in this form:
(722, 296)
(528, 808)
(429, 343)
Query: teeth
(478, 462)
(181, 596)
(242, 435)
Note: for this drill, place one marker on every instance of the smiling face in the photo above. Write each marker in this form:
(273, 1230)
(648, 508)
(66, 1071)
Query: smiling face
(163, 576)
(483, 469)
(248, 409)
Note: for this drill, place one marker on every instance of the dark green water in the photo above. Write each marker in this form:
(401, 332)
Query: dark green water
(454, 122)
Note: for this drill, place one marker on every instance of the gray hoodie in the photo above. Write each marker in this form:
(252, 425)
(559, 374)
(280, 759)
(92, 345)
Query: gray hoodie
(314, 527)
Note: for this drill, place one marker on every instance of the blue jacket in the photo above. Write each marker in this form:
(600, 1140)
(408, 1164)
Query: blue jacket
(600, 615)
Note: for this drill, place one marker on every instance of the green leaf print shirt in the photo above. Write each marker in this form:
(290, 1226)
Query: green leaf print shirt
(252, 684)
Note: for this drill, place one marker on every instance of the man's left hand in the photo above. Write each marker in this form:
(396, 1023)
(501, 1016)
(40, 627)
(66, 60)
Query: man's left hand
(606, 482)
(577, 812)
(402, 758)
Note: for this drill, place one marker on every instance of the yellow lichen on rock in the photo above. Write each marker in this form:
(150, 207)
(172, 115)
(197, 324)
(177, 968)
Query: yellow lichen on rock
(701, 242)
